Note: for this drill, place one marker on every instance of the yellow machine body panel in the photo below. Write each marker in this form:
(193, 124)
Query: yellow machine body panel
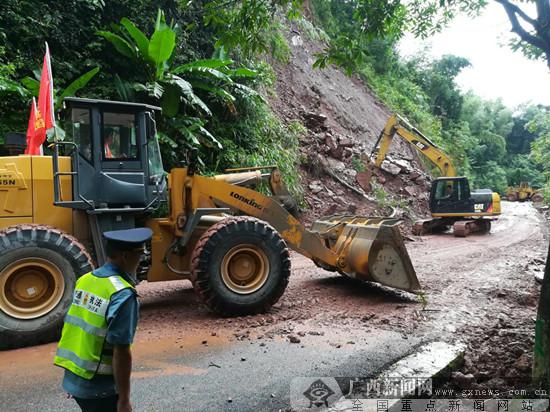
(366, 248)
(496, 204)
(162, 238)
(26, 192)
(16, 198)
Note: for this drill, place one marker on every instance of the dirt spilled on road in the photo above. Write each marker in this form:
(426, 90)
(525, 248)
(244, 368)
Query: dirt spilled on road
(486, 296)
(479, 290)
(315, 304)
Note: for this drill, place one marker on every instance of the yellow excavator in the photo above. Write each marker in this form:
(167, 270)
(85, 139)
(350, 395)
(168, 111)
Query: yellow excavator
(228, 239)
(452, 203)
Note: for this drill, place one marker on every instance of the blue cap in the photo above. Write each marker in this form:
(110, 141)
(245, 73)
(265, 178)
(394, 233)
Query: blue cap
(129, 238)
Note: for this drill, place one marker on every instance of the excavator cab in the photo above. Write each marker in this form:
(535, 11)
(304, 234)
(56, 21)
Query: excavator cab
(450, 195)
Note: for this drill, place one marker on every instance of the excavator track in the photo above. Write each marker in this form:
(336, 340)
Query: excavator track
(463, 228)
(427, 226)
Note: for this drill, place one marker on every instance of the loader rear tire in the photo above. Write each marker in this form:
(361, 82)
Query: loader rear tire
(38, 269)
(240, 266)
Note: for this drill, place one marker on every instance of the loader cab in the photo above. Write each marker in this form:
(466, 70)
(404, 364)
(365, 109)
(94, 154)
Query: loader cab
(450, 195)
(115, 155)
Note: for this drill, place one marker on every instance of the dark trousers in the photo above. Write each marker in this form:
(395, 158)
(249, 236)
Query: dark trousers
(98, 405)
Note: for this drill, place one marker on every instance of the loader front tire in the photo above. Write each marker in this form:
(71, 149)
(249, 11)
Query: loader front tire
(240, 266)
(39, 266)
(537, 198)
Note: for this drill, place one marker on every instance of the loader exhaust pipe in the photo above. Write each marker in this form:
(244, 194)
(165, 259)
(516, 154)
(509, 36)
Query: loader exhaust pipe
(370, 249)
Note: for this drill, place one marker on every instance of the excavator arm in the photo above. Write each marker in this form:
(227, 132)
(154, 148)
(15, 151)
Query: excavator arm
(397, 125)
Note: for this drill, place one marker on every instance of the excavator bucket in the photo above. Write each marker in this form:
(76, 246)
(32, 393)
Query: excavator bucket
(369, 248)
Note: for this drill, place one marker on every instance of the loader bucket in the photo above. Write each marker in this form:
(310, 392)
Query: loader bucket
(369, 249)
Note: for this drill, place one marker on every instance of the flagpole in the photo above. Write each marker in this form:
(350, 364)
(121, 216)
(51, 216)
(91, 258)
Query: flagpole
(51, 91)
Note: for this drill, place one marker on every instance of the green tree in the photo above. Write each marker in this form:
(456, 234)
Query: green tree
(541, 146)
(437, 78)
(174, 87)
(249, 26)
(381, 19)
(522, 168)
(491, 175)
(33, 86)
(520, 138)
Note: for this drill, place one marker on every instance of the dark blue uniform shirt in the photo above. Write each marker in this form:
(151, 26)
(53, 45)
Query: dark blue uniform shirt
(122, 318)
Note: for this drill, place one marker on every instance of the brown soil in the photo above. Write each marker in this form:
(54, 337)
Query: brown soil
(344, 119)
(485, 294)
(480, 290)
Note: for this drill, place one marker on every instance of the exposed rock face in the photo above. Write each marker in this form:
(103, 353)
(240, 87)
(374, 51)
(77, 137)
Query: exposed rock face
(336, 165)
(391, 168)
(343, 119)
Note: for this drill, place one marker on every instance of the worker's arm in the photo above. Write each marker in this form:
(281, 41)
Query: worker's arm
(122, 368)
(122, 320)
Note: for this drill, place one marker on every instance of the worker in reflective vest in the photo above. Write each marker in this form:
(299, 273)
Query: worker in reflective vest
(100, 325)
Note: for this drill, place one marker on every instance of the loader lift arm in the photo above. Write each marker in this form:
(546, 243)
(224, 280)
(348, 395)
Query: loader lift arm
(365, 248)
(400, 126)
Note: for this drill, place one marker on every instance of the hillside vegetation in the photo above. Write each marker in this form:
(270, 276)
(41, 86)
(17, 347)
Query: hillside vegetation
(208, 64)
(494, 145)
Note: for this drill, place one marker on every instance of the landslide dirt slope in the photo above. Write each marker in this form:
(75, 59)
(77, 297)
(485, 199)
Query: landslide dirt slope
(344, 119)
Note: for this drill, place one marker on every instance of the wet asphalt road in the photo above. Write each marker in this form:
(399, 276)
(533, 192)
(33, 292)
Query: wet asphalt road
(170, 378)
(358, 329)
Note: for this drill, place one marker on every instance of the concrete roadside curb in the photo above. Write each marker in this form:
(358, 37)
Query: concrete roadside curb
(427, 362)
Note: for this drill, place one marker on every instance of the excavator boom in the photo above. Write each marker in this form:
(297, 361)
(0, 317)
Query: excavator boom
(401, 126)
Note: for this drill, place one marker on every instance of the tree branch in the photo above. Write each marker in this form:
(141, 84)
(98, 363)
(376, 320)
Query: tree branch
(543, 12)
(507, 5)
(513, 11)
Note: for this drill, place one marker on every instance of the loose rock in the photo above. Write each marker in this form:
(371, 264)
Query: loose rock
(294, 339)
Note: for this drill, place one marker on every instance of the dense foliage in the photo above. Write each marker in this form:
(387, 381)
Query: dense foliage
(200, 61)
(489, 142)
(366, 20)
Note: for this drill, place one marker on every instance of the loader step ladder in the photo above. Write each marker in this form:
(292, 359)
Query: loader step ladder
(83, 203)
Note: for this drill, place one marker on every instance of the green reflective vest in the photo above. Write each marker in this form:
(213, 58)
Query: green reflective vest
(82, 348)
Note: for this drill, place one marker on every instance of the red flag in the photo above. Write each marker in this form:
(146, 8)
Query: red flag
(36, 132)
(30, 127)
(45, 112)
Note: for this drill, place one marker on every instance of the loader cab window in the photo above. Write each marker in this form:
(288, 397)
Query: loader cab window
(156, 170)
(119, 137)
(79, 131)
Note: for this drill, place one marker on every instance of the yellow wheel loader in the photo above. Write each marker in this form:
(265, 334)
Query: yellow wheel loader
(452, 203)
(229, 240)
(523, 192)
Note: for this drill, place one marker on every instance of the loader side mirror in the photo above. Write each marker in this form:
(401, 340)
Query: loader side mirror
(151, 127)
